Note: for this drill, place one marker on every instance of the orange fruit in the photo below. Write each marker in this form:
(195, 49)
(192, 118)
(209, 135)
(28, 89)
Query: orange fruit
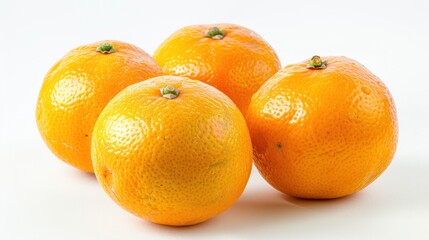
(77, 88)
(172, 150)
(231, 58)
(325, 129)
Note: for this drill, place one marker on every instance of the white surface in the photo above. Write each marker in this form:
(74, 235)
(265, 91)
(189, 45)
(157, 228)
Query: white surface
(42, 198)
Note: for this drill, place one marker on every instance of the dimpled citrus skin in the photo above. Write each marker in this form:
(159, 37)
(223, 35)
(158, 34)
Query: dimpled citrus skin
(237, 65)
(77, 88)
(174, 161)
(323, 133)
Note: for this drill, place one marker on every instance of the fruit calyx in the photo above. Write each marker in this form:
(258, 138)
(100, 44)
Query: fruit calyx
(169, 92)
(317, 63)
(215, 33)
(106, 48)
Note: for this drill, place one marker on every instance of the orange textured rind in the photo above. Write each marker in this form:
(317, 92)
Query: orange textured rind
(77, 88)
(323, 133)
(174, 161)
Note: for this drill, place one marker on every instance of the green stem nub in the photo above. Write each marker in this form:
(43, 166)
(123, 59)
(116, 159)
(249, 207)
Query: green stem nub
(169, 92)
(317, 63)
(215, 33)
(106, 48)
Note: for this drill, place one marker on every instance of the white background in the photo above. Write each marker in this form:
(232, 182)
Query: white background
(43, 198)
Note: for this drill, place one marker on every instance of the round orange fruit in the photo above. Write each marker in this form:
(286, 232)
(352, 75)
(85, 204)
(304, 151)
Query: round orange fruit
(172, 150)
(77, 88)
(231, 58)
(323, 128)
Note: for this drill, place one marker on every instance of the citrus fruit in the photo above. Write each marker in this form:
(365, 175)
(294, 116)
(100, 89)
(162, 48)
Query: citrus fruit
(231, 58)
(77, 88)
(172, 150)
(323, 128)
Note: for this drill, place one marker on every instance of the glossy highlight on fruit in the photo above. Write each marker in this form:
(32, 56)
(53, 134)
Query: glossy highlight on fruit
(232, 58)
(77, 88)
(322, 128)
(172, 150)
